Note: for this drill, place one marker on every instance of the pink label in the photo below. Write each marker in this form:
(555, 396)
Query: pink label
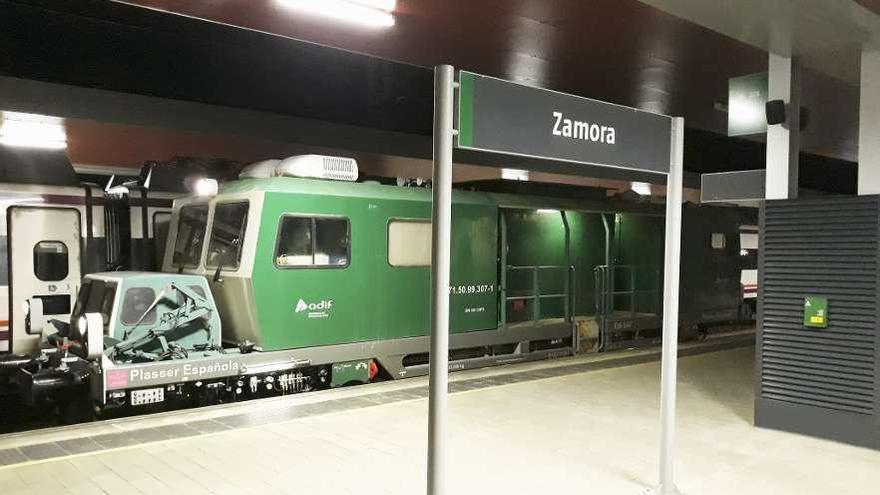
(117, 379)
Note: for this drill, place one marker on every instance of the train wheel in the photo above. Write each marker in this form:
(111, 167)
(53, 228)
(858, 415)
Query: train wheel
(77, 409)
(689, 333)
(702, 332)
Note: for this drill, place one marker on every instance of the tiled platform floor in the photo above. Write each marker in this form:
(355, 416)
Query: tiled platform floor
(592, 432)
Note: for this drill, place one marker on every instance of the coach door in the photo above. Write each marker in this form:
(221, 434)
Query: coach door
(44, 264)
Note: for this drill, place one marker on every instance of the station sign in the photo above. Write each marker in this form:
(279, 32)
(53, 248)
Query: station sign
(746, 100)
(742, 186)
(505, 117)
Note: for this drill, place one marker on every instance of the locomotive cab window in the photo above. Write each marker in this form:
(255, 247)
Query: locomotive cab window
(719, 241)
(409, 243)
(161, 222)
(227, 235)
(135, 304)
(191, 227)
(313, 242)
(50, 261)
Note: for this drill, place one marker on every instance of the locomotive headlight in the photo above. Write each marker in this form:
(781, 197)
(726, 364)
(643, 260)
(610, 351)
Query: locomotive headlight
(26, 308)
(205, 187)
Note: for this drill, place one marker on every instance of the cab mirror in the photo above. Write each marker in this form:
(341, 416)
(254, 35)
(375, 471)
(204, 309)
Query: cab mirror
(34, 319)
(91, 327)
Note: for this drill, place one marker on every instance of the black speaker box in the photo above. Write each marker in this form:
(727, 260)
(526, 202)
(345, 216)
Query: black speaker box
(775, 110)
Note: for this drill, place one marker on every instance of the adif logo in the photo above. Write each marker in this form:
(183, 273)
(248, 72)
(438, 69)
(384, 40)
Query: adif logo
(315, 310)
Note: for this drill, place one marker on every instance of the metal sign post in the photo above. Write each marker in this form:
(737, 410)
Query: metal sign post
(504, 117)
(441, 236)
(672, 267)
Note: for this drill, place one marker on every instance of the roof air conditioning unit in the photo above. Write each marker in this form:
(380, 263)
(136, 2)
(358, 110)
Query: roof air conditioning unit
(318, 167)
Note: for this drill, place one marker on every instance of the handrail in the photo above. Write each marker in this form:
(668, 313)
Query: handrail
(535, 290)
(606, 293)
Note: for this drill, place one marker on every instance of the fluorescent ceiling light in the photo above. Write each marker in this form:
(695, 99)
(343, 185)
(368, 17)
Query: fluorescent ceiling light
(373, 13)
(641, 188)
(386, 5)
(32, 131)
(514, 174)
(547, 211)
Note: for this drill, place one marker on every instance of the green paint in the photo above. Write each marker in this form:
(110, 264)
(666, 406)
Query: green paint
(587, 252)
(816, 312)
(639, 244)
(350, 372)
(535, 239)
(465, 109)
(368, 300)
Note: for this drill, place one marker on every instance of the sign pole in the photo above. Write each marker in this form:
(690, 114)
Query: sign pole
(670, 312)
(499, 116)
(441, 235)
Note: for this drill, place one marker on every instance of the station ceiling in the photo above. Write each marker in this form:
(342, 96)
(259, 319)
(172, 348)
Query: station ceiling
(622, 51)
(827, 35)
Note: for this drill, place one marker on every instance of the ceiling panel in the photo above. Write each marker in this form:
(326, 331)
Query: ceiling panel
(615, 50)
(827, 34)
(622, 51)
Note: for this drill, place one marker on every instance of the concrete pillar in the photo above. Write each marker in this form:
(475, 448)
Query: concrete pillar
(783, 140)
(869, 124)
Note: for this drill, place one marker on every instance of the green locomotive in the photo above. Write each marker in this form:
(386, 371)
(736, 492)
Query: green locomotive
(295, 277)
(342, 268)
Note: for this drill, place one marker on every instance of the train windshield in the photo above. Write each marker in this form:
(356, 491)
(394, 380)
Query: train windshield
(191, 227)
(138, 306)
(227, 234)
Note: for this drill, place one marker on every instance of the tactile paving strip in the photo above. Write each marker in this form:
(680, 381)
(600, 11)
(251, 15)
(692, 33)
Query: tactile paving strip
(63, 448)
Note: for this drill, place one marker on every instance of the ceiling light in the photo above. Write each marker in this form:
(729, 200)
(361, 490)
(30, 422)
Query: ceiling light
(546, 211)
(641, 188)
(373, 13)
(514, 174)
(32, 131)
(386, 5)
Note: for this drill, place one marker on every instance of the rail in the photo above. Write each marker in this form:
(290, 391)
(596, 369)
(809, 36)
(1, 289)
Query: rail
(607, 295)
(533, 292)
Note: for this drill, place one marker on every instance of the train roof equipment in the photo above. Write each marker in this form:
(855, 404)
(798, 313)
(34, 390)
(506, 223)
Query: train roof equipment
(304, 166)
